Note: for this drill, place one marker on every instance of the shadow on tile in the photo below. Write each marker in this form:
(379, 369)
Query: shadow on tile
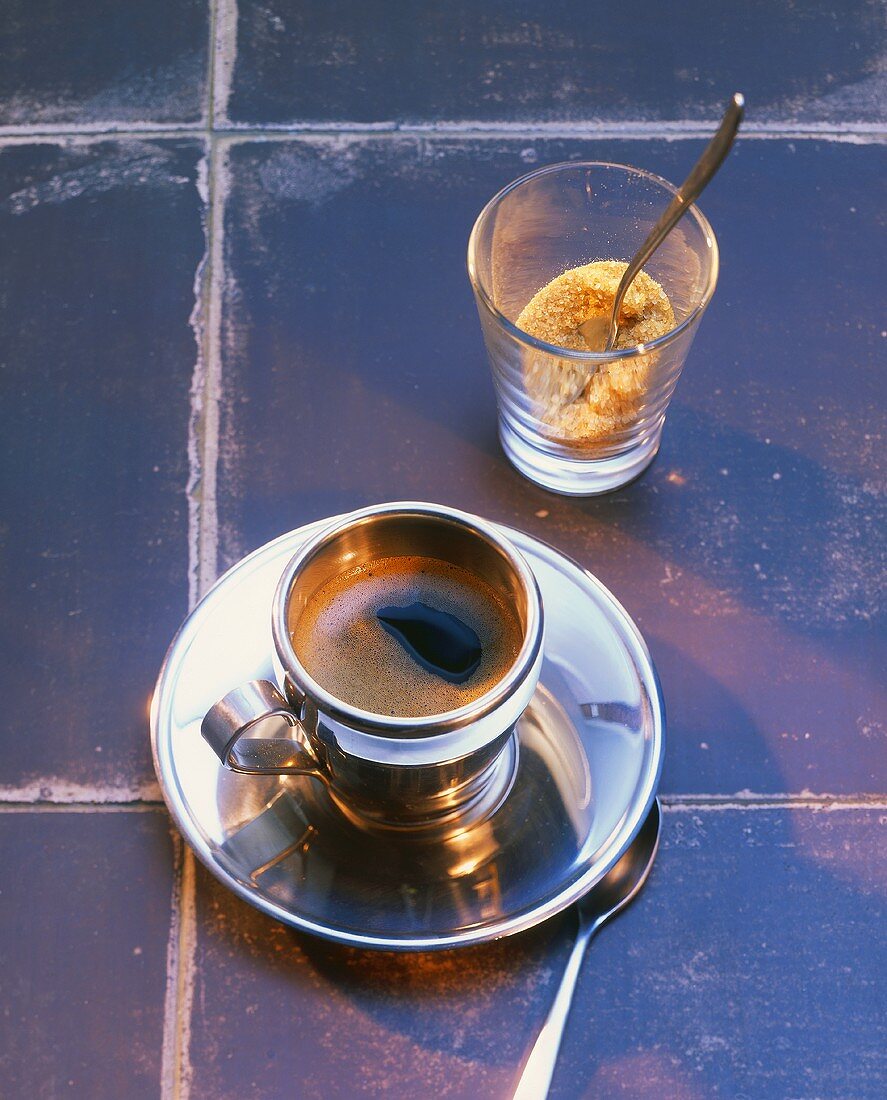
(781, 532)
(713, 743)
(342, 1022)
(745, 967)
(463, 995)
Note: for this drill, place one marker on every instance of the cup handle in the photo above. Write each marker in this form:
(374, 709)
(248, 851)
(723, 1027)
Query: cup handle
(225, 724)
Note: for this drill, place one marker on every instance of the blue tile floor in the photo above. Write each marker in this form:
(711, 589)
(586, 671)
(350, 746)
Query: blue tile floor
(84, 913)
(563, 61)
(232, 300)
(750, 969)
(100, 244)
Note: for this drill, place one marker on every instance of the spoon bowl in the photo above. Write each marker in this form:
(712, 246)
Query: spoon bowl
(621, 884)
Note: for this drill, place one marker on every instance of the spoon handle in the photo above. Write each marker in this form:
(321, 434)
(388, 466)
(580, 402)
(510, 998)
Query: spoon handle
(702, 171)
(539, 1067)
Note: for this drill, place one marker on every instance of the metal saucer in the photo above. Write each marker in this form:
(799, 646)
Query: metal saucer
(576, 787)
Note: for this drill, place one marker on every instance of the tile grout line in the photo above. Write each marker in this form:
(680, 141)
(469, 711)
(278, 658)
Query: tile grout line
(203, 540)
(224, 48)
(98, 131)
(180, 947)
(170, 995)
(211, 75)
(181, 942)
(197, 320)
(14, 800)
(634, 130)
(51, 790)
(134, 807)
(637, 128)
(178, 1085)
(826, 803)
(206, 547)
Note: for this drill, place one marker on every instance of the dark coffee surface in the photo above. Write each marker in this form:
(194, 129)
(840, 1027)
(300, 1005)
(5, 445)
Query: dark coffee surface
(406, 636)
(437, 640)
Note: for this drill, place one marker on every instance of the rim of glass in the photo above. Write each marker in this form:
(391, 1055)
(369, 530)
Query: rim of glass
(571, 353)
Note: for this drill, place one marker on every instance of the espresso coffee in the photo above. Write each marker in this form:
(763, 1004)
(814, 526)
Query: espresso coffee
(406, 636)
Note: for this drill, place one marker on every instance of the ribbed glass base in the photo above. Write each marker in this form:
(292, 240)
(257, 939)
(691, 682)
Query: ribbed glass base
(574, 476)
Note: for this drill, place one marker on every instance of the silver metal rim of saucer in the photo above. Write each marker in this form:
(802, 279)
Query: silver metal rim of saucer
(584, 773)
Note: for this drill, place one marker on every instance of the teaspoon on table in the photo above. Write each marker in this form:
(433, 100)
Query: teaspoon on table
(600, 332)
(610, 896)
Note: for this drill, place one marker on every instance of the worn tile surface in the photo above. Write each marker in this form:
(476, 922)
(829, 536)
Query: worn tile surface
(354, 372)
(748, 968)
(561, 61)
(278, 1013)
(100, 244)
(84, 925)
(751, 968)
(102, 62)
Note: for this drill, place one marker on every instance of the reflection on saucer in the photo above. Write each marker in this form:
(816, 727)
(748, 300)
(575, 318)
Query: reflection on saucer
(302, 849)
(546, 729)
(589, 749)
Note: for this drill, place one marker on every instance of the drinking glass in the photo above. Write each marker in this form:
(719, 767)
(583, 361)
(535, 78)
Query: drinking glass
(560, 217)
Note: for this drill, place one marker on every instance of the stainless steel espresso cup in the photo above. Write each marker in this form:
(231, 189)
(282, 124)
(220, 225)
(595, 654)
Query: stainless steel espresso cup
(391, 770)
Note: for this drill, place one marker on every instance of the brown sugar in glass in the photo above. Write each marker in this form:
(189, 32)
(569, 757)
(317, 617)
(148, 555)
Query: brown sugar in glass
(544, 254)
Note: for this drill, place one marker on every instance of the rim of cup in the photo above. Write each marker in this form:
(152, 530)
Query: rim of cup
(391, 725)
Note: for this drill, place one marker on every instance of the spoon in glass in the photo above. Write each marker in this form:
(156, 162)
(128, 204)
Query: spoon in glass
(600, 332)
(610, 896)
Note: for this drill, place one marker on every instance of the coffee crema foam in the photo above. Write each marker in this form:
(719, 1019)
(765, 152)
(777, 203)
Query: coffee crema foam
(343, 646)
